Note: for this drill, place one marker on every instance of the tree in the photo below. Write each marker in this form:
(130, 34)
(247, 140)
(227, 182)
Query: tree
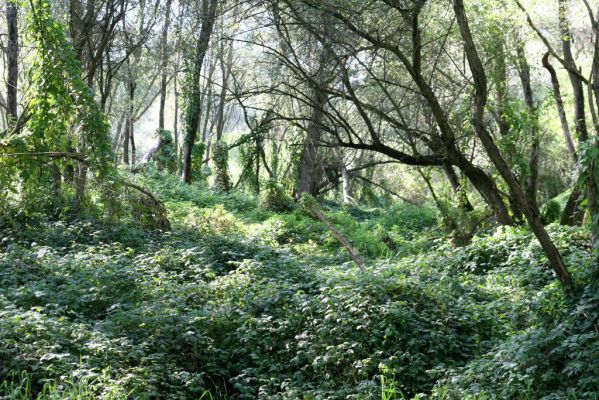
(480, 98)
(208, 17)
(12, 56)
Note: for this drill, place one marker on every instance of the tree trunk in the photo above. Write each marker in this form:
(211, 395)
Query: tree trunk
(489, 191)
(118, 134)
(129, 139)
(593, 182)
(478, 110)
(533, 172)
(313, 210)
(12, 59)
(176, 117)
(226, 67)
(560, 107)
(569, 214)
(165, 53)
(126, 140)
(454, 181)
(577, 88)
(309, 161)
(192, 112)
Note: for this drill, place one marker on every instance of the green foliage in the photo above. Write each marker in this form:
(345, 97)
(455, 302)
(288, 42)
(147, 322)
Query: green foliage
(220, 157)
(240, 302)
(63, 117)
(251, 149)
(78, 388)
(199, 171)
(275, 198)
(551, 211)
(166, 158)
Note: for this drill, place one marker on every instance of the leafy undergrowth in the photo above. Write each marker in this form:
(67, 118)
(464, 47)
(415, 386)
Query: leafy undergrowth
(243, 303)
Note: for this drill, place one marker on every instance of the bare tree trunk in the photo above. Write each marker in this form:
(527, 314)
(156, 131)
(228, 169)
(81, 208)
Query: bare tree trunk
(458, 190)
(593, 182)
(132, 139)
(309, 161)
(569, 215)
(560, 107)
(480, 99)
(126, 140)
(12, 59)
(577, 89)
(176, 121)
(192, 112)
(119, 131)
(165, 54)
(225, 67)
(533, 173)
(129, 139)
(313, 210)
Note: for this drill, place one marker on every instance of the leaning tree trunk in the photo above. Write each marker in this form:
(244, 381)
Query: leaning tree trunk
(559, 103)
(571, 211)
(480, 98)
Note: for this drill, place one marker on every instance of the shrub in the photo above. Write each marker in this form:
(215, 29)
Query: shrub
(551, 211)
(274, 197)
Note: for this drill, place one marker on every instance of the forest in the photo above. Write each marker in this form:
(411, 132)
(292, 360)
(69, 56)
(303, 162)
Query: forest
(299, 199)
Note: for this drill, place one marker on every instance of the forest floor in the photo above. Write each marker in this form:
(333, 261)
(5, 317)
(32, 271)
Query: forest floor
(240, 302)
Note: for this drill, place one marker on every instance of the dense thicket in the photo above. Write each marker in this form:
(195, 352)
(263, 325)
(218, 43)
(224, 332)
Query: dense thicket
(299, 199)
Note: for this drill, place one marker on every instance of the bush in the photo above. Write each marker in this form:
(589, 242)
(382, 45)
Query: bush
(551, 211)
(238, 302)
(274, 197)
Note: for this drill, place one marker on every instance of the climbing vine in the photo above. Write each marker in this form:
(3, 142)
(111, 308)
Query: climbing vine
(66, 133)
(222, 180)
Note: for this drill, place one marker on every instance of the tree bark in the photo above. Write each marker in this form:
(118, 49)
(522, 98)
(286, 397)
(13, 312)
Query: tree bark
(478, 110)
(572, 215)
(313, 210)
(489, 191)
(577, 88)
(164, 64)
(593, 182)
(225, 67)
(533, 172)
(309, 161)
(560, 107)
(192, 112)
(460, 192)
(12, 59)
(126, 139)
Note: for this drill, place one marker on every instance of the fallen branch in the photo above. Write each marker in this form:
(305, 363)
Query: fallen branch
(309, 205)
